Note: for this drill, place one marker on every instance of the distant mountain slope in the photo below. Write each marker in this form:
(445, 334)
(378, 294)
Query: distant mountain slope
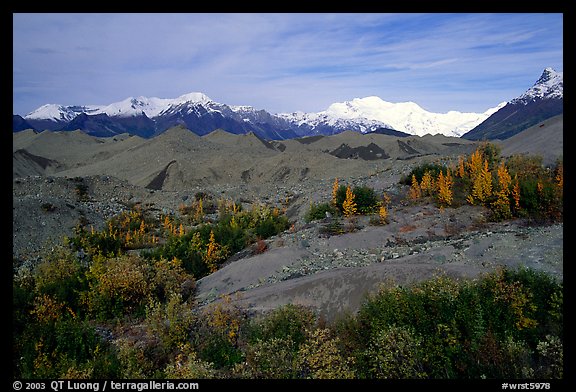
(179, 159)
(19, 124)
(148, 117)
(545, 99)
(406, 117)
(545, 139)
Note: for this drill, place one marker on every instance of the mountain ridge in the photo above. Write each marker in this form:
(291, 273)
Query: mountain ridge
(544, 100)
(150, 116)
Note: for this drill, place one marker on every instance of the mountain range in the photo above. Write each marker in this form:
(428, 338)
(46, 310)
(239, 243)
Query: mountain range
(148, 117)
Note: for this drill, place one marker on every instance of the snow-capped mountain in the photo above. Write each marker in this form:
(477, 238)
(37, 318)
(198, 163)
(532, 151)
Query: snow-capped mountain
(148, 117)
(324, 123)
(367, 113)
(550, 85)
(130, 107)
(543, 100)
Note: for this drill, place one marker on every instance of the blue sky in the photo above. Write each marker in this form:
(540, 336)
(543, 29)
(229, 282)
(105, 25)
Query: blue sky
(283, 62)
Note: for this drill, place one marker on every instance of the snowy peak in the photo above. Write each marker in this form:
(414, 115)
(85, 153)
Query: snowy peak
(550, 85)
(130, 107)
(406, 117)
(544, 100)
(550, 77)
(191, 98)
(58, 113)
(153, 107)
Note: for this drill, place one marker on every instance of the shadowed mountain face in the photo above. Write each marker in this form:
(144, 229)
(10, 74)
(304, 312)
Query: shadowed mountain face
(545, 99)
(514, 118)
(101, 125)
(19, 124)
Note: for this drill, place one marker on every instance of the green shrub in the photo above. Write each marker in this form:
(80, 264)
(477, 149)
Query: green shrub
(271, 226)
(550, 358)
(488, 327)
(319, 357)
(288, 322)
(364, 197)
(118, 286)
(546, 298)
(62, 276)
(271, 359)
(133, 359)
(169, 278)
(48, 350)
(395, 352)
(232, 233)
(334, 227)
(186, 365)
(218, 333)
(318, 211)
(95, 243)
(170, 322)
(420, 170)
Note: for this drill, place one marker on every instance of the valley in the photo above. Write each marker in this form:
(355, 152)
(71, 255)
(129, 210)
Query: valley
(166, 172)
(239, 254)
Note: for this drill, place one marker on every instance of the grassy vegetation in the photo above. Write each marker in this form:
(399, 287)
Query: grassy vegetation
(138, 269)
(120, 302)
(506, 324)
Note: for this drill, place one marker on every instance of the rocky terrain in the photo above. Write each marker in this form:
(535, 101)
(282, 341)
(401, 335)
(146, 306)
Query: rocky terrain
(63, 178)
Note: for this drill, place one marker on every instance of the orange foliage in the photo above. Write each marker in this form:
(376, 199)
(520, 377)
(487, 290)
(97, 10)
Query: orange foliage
(335, 187)
(414, 189)
(349, 205)
(427, 184)
(445, 188)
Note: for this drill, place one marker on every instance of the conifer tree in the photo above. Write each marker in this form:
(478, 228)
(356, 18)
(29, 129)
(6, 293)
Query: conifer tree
(501, 206)
(349, 205)
(414, 189)
(427, 184)
(461, 172)
(199, 213)
(474, 164)
(212, 253)
(383, 214)
(335, 187)
(516, 193)
(560, 179)
(445, 188)
(481, 183)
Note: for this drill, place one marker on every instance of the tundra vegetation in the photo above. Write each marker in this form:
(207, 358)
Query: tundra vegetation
(120, 302)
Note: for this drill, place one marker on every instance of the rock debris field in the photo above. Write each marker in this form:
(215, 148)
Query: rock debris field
(61, 179)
